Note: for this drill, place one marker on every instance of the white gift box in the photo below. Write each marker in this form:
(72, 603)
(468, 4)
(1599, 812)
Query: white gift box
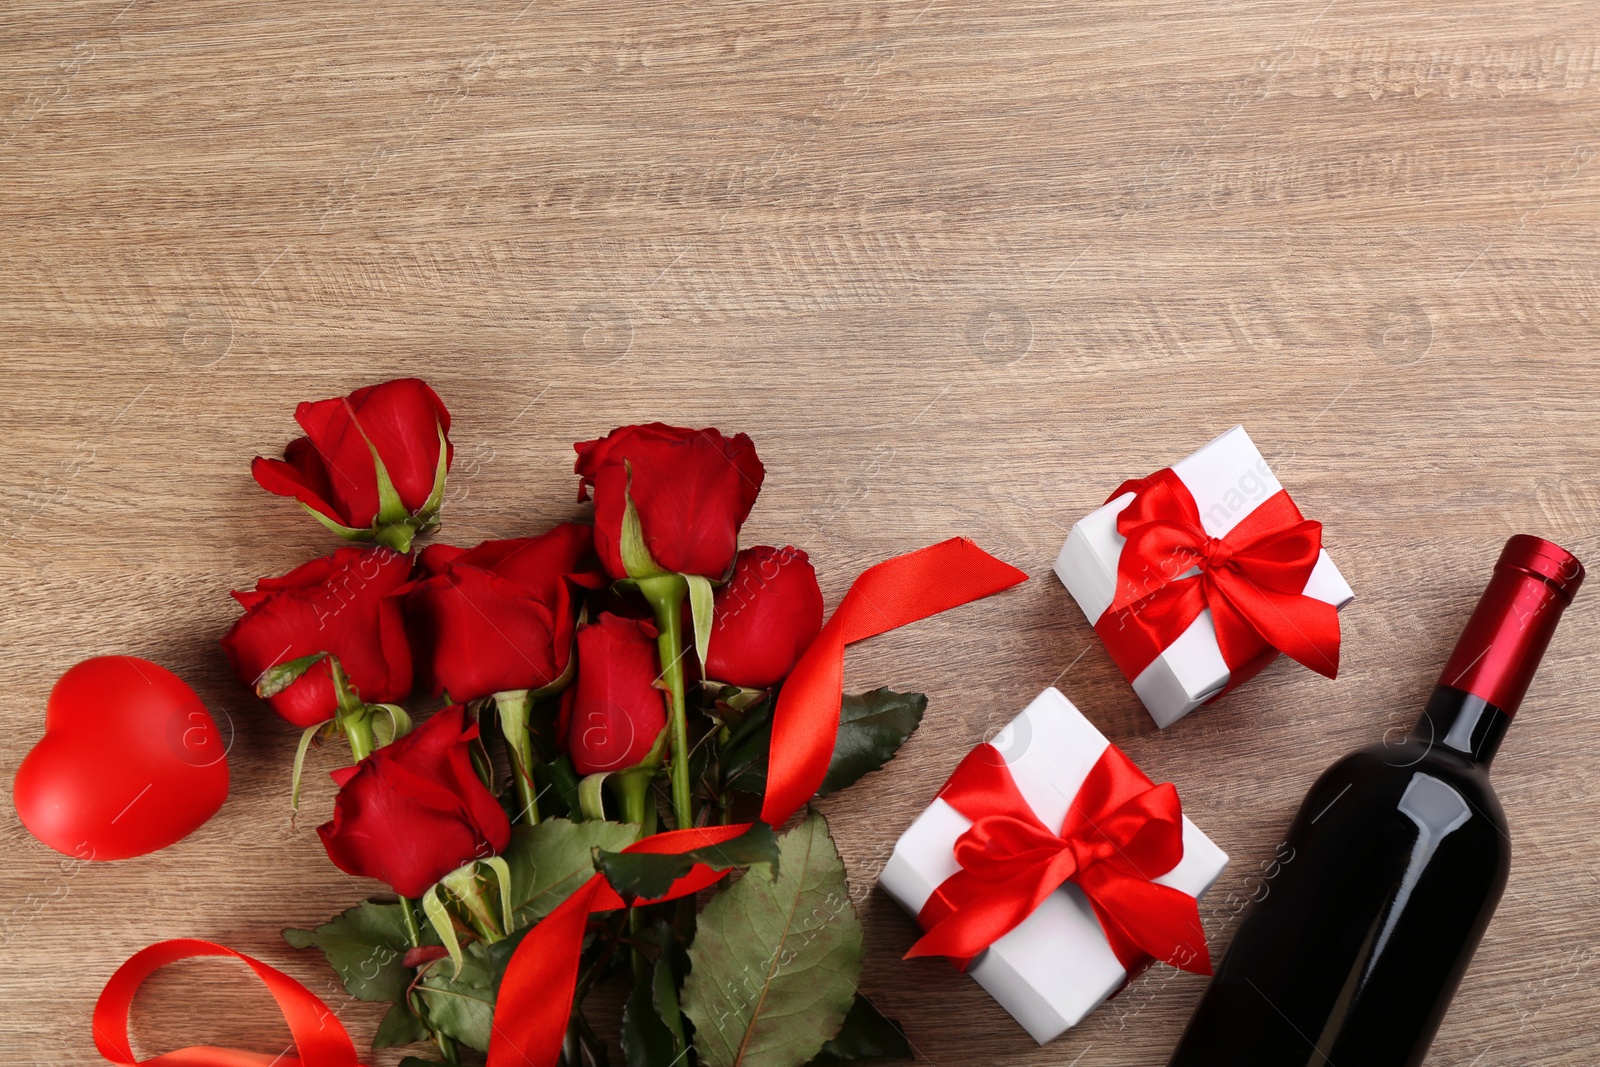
(1057, 966)
(1228, 478)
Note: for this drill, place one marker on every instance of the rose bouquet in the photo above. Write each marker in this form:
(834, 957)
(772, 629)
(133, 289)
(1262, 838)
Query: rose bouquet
(614, 695)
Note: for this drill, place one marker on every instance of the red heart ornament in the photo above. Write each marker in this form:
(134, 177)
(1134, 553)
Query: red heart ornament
(130, 762)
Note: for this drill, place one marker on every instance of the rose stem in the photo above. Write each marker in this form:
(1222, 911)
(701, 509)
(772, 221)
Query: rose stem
(358, 728)
(633, 788)
(665, 594)
(408, 908)
(528, 798)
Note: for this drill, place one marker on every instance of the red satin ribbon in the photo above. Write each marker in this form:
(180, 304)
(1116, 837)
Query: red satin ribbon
(885, 596)
(1253, 580)
(535, 996)
(318, 1035)
(1121, 830)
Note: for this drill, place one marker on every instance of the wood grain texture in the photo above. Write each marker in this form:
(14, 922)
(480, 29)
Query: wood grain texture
(959, 267)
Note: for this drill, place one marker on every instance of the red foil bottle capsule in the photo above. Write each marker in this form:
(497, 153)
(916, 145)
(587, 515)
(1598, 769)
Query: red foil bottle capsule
(1501, 646)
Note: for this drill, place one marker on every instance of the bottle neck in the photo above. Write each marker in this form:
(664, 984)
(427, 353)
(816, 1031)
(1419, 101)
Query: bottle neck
(1487, 675)
(1465, 722)
(1502, 643)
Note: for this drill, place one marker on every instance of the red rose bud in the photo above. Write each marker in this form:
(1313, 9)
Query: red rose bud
(764, 617)
(339, 605)
(415, 810)
(691, 490)
(499, 616)
(617, 712)
(372, 464)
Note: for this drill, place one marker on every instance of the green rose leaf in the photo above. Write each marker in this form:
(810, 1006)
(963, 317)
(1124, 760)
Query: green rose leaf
(399, 1027)
(867, 1034)
(461, 1005)
(639, 875)
(366, 946)
(774, 966)
(550, 860)
(872, 727)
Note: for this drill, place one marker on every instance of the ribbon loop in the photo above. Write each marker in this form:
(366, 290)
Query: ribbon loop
(999, 848)
(318, 1035)
(1252, 579)
(1120, 832)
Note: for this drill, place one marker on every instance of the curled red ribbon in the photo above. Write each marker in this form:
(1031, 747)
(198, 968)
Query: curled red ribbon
(318, 1035)
(1253, 580)
(1121, 831)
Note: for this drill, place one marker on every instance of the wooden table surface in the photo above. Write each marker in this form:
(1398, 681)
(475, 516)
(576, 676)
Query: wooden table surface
(958, 267)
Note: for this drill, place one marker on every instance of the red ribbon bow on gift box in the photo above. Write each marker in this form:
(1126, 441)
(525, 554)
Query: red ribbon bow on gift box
(1252, 579)
(1120, 832)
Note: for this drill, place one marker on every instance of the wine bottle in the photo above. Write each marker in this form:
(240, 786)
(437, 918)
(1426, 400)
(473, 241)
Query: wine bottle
(1393, 866)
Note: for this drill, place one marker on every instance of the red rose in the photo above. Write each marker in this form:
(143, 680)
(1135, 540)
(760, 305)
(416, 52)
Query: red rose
(499, 616)
(616, 712)
(764, 617)
(340, 605)
(394, 432)
(691, 490)
(415, 810)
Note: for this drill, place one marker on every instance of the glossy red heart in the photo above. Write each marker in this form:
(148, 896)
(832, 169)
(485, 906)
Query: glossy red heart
(130, 762)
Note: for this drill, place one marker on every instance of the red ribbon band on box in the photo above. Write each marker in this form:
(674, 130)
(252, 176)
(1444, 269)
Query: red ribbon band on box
(1253, 580)
(535, 994)
(1120, 832)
